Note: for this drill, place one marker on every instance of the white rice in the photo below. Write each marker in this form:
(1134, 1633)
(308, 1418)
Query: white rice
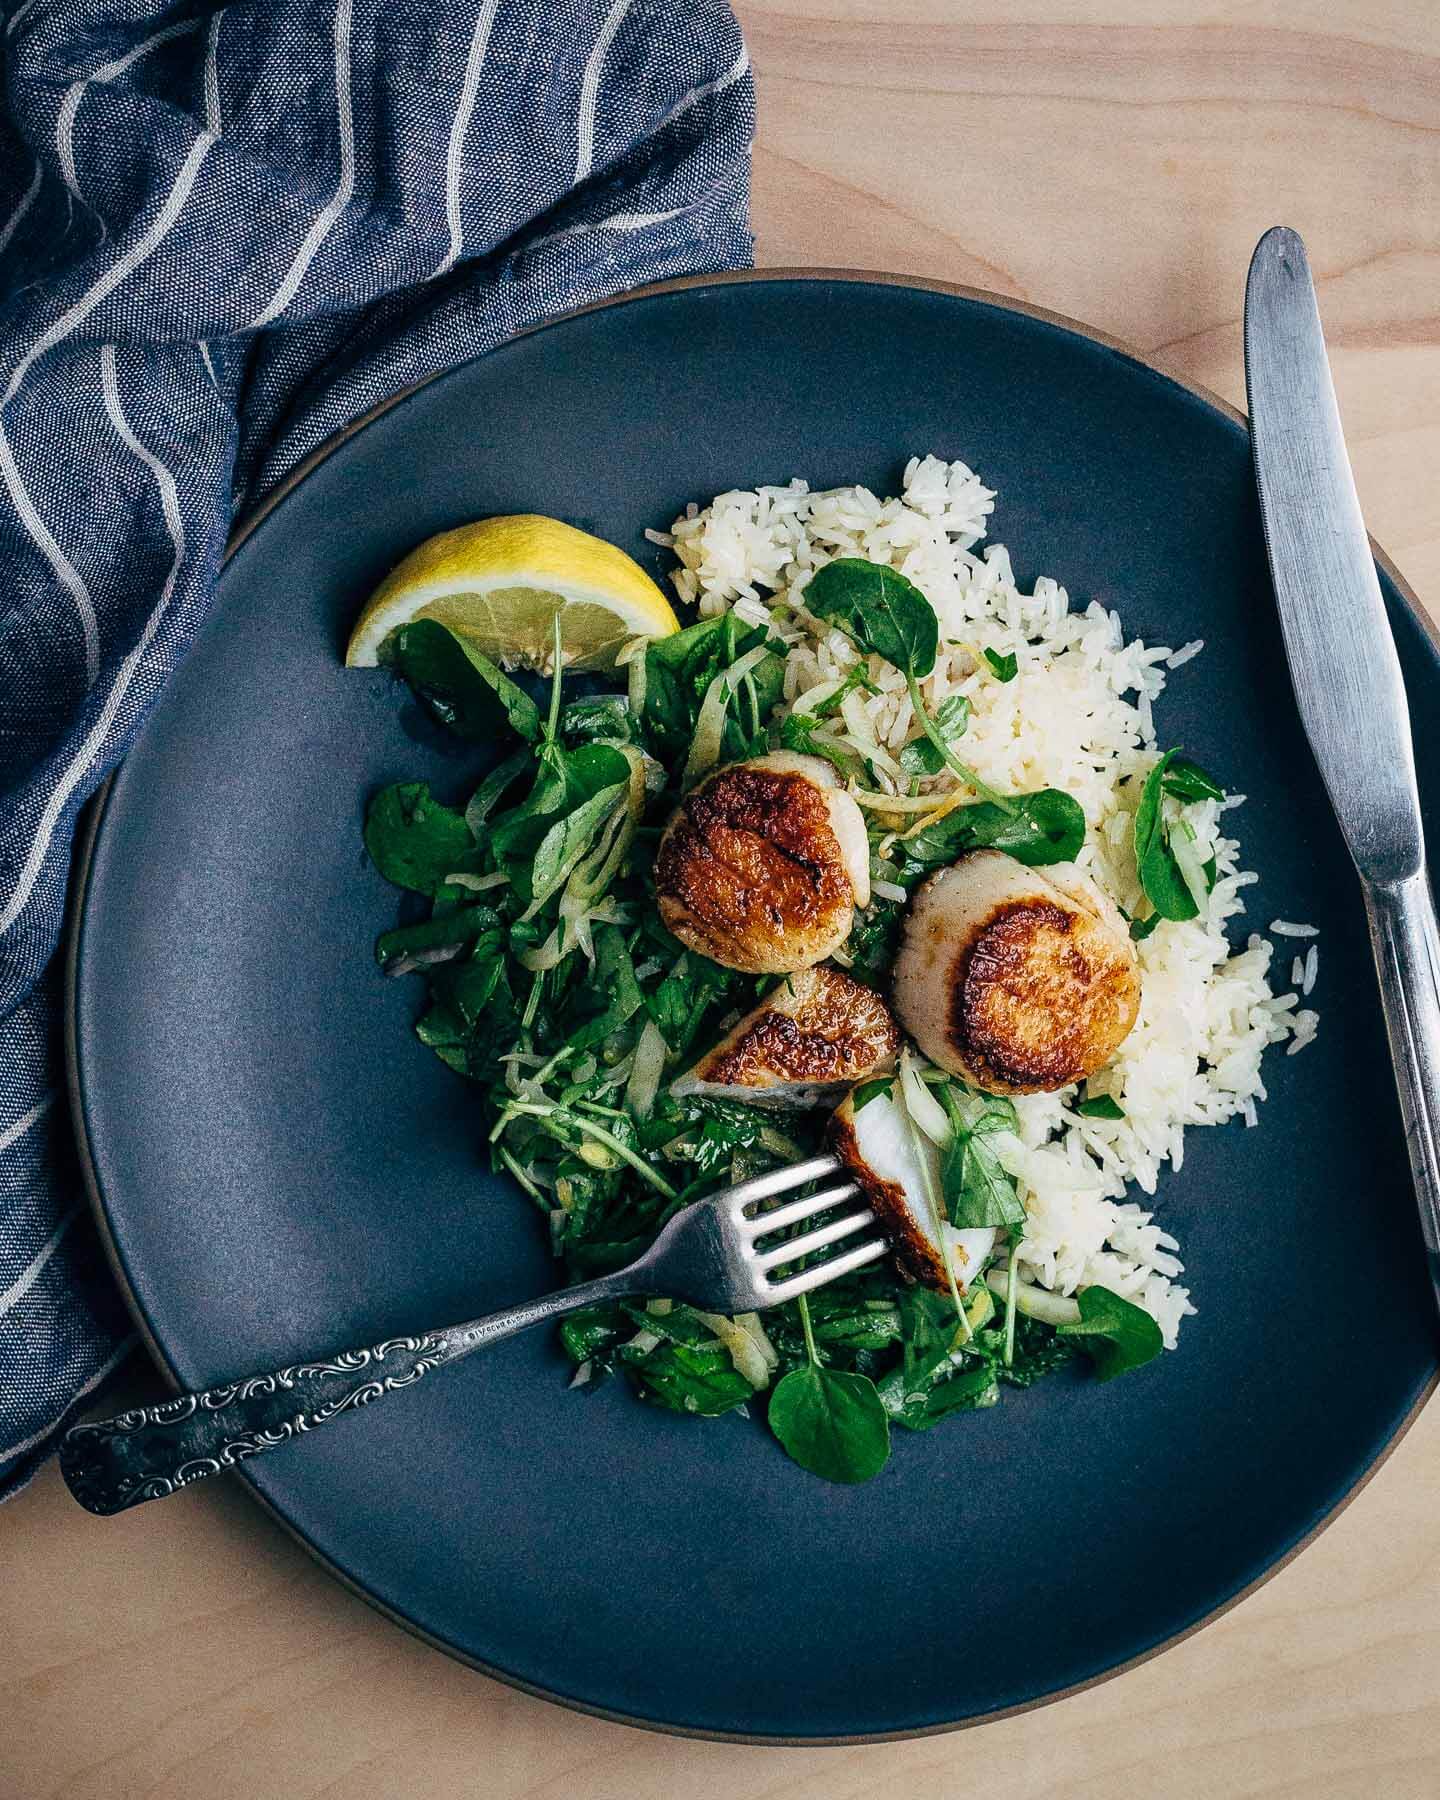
(1288, 928)
(1078, 717)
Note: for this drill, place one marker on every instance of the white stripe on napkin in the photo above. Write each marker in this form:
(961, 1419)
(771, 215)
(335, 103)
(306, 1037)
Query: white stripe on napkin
(706, 88)
(70, 105)
(460, 125)
(27, 1278)
(21, 12)
(65, 571)
(12, 224)
(212, 74)
(123, 266)
(329, 213)
(12, 1134)
(95, 737)
(590, 88)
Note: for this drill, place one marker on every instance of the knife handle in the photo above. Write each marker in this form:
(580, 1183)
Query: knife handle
(1406, 942)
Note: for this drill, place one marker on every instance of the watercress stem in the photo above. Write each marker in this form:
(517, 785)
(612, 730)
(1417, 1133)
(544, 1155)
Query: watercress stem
(579, 1122)
(515, 1169)
(808, 1329)
(952, 762)
(553, 722)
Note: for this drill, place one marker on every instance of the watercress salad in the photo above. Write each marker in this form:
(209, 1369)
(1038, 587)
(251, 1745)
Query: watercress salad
(551, 984)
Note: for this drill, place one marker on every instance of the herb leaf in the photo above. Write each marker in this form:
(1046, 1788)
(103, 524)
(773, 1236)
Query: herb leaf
(922, 757)
(1100, 1106)
(689, 1371)
(1044, 827)
(880, 608)
(1006, 667)
(978, 1190)
(927, 1385)
(1160, 876)
(566, 842)
(1115, 1333)
(1186, 780)
(831, 1423)
(414, 840)
(428, 941)
(679, 670)
(464, 689)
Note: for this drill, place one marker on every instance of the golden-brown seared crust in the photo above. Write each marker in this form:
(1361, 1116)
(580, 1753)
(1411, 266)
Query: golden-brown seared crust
(749, 872)
(915, 1256)
(1043, 996)
(828, 1029)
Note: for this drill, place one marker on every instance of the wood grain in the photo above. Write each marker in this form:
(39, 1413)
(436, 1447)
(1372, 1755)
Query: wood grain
(1111, 159)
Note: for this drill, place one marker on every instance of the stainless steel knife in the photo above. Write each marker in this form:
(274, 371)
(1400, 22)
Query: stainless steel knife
(1347, 675)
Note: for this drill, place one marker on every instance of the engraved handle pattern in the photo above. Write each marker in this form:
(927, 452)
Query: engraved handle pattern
(152, 1451)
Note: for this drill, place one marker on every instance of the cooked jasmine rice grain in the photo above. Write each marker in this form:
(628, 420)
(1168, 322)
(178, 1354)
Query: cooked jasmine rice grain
(1288, 928)
(1078, 716)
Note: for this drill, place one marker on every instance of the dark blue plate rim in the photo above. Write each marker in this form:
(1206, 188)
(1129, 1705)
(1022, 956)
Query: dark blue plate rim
(80, 884)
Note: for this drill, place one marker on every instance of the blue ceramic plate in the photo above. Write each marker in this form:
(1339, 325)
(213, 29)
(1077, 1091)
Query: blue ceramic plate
(283, 1169)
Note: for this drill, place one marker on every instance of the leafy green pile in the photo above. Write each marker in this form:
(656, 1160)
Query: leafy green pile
(552, 984)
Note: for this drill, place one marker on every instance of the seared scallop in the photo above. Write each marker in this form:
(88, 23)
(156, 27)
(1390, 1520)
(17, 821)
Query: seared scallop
(1019, 980)
(804, 1045)
(898, 1168)
(763, 863)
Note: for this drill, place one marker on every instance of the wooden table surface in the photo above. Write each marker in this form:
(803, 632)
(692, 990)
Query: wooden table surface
(1110, 159)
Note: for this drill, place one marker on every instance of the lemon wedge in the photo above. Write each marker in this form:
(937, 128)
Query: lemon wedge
(501, 584)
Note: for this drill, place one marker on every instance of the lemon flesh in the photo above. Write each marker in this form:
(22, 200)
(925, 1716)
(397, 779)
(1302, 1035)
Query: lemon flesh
(501, 584)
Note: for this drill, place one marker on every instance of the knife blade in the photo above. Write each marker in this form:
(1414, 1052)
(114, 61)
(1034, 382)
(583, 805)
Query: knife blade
(1347, 676)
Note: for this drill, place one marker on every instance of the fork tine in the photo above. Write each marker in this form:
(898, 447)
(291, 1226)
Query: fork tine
(782, 1216)
(778, 1181)
(809, 1279)
(794, 1248)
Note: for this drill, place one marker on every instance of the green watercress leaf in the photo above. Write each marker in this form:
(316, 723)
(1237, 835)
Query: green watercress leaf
(697, 1378)
(459, 927)
(414, 840)
(928, 1384)
(1165, 887)
(870, 947)
(797, 732)
(1039, 1351)
(604, 716)
(1044, 827)
(564, 781)
(881, 609)
(922, 757)
(1100, 1106)
(1187, 781)
(978, 1190)
(566, 842)
(593, 1330)
(831, 1423)
(1115, 1333)
(678, 672)
(870, 1090)
(1005, 667)
(464, 689)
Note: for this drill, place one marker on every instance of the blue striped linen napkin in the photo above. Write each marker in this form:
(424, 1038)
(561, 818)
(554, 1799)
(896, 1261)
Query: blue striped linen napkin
(224, 233)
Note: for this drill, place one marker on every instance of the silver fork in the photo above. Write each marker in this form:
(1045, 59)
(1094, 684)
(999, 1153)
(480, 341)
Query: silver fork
(709, 1255)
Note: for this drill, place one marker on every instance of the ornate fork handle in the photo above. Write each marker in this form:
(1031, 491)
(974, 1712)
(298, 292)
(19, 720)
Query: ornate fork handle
(112, 1464)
